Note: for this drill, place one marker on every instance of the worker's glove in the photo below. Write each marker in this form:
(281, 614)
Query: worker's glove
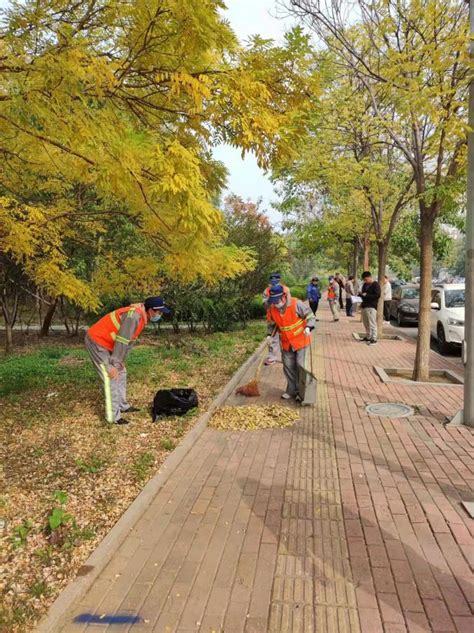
(269, 338)
(307, 331)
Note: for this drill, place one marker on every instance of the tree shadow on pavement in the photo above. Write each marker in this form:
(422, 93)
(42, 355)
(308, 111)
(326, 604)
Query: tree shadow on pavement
(345, 553)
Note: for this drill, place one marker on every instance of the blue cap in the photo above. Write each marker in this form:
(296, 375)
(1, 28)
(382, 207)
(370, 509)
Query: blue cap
(156, 303)
(276, 293)
(274, 279)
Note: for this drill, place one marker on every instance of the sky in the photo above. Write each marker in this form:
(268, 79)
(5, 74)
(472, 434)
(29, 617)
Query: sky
(246, 179)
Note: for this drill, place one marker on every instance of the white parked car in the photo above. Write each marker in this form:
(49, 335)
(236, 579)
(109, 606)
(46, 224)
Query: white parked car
(447, 315)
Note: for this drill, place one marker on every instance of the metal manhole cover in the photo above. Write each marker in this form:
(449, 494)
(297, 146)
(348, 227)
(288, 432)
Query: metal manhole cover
(390, 410)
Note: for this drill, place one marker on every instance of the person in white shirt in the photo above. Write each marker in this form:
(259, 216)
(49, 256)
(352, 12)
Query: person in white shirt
(387, 299)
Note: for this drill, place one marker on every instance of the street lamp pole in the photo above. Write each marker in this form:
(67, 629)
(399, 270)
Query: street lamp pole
(467, 415)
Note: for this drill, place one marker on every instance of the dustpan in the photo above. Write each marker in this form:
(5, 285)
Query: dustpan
(308, 383)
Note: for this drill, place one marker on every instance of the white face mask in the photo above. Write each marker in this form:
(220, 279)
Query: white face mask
(280, 305)
(155, 318)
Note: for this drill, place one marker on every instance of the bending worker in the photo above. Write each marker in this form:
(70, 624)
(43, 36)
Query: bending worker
(109, 342)
(294, 321)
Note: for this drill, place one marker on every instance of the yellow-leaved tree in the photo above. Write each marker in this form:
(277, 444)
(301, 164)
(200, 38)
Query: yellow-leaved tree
(126, 99)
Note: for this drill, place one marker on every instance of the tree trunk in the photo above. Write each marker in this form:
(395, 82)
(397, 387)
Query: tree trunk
(77, 322)
(422, 360)
(9, 317)
(9, 338)
(48, 318)
(382, 264)
(355, 258)
(366, 253)
(65, 317)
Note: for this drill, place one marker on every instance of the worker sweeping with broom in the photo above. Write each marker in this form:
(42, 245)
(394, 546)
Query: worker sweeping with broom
(294, 321)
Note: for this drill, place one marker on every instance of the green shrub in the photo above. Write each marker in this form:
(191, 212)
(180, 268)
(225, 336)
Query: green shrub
(298, 291)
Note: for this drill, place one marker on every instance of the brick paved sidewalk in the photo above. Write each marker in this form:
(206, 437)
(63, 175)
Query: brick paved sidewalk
(344, 523)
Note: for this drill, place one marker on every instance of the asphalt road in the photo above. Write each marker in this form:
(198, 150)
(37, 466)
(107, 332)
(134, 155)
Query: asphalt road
(411, 332)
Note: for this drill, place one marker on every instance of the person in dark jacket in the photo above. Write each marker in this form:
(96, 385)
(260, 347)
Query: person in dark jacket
(370, 294)
(341, 283)
(313, 294)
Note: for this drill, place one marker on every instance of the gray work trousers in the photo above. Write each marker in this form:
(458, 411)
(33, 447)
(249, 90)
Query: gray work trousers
(369, 319)
(293, 364)
(273, 347)
(334, 308)
(115, 389)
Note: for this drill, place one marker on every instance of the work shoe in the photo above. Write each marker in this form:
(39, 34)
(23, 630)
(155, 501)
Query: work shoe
(121, 421)
(286, 396)
(372, 342)
(269, 361)
(365, 339)
(131, 410)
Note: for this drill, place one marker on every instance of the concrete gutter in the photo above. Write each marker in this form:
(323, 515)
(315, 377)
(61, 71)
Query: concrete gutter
(57, 615)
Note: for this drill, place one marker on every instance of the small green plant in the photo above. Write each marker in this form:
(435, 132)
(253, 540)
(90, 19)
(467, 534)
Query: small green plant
(75, 534)
(93, 464)
(45, 555)
(142, 464)
(59, 517)
(39, 588)
(167, 444)
(86, 534)
(20, 533)
(180, 429)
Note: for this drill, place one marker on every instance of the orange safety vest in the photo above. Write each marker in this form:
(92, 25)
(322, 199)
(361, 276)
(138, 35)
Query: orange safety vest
(290, 325)
(331, 292)
(105, 331)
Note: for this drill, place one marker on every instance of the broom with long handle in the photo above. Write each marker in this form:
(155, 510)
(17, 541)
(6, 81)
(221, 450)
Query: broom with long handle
(251, 389)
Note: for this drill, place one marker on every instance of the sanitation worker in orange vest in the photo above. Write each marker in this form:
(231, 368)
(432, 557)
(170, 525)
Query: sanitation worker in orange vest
(274, 341)
(109, 342)
(295, 322)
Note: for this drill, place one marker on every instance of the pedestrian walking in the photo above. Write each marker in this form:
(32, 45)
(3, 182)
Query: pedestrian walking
(387, 300)
(341, 282)
(294, 321)
(109, 342)
(313, 294)
(333, 294)
(350, 292)
(274, 341)
(370, 298)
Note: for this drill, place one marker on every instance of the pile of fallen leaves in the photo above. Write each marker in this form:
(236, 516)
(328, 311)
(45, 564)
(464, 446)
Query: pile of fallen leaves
(253, 417)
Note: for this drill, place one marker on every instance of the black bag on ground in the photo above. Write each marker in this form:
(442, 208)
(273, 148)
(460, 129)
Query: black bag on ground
(173, 402)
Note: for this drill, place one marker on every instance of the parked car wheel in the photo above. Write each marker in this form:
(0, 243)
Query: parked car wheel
(443, 346)
(400, 321)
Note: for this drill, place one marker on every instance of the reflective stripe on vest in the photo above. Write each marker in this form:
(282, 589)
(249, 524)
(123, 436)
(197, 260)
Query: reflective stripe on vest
(291, 326)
